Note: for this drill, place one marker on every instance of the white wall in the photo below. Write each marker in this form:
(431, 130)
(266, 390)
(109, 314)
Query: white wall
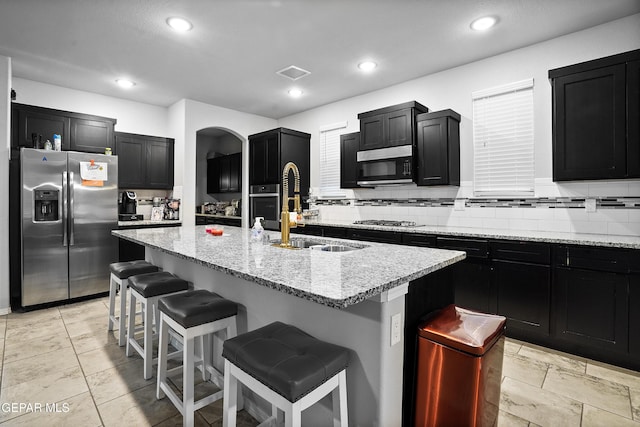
(133, 117)
(200, 116)
(5, 144)
(452, 89)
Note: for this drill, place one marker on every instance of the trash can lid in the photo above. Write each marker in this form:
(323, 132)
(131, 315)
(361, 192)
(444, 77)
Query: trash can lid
(462, 329)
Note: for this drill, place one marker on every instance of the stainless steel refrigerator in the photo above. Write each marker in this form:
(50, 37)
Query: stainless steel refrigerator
(69, 203)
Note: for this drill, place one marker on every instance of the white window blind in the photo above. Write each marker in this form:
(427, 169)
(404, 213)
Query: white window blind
(503, 140)
(330, 160)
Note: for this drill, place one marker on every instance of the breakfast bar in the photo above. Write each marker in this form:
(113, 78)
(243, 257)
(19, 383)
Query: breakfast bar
(344, 292)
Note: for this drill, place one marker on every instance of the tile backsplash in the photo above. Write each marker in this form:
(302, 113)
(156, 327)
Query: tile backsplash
(594, 208)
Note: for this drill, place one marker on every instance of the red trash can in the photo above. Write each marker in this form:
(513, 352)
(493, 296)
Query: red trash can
(459, 368)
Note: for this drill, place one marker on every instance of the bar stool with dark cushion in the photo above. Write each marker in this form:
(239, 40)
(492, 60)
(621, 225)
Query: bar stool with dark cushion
(148, 289)
(193, 314)
(287, 367)
(120, 273)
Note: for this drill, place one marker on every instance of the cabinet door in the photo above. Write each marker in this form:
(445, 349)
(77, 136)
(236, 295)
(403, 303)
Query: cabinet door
(372, 132)
(349, 144)
(397, 127)
(591, 308)
(634, 314)
(213, 175)
(264, 160)
(131, 161)
(235, 173)
(29, 124)
(589, 135)
(92, 136)
(159, 153)
(225, 174)
(523, 293)
(472, 285)
(432, 164)
(633, 119)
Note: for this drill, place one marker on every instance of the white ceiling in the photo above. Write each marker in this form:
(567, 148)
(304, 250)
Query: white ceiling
(231, 56)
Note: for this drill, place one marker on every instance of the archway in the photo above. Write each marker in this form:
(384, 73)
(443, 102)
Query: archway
(212, 143)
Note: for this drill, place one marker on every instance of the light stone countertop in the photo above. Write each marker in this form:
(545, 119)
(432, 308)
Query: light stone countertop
(148, 222)
(334, 279)
(614, 241)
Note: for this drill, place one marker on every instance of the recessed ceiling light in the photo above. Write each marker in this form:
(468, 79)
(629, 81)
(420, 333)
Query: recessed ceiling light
(179, 24)
(367, 66)
(295, 93)
(484, 23)
(124, 83)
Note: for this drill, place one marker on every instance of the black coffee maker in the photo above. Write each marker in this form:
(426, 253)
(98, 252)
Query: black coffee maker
(128, 207)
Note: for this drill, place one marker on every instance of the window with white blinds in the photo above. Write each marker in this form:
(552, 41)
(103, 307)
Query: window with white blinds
(503, 160)
(330, 160)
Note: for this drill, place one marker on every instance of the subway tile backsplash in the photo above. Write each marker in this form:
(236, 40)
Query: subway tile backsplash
(612, 215)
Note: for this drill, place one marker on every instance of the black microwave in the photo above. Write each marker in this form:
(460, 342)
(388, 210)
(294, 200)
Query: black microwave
(391, 165)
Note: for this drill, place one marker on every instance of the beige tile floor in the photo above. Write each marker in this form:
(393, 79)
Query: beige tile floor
(63, 359)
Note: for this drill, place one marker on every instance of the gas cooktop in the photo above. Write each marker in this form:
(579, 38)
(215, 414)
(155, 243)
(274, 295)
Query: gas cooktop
(387, 223)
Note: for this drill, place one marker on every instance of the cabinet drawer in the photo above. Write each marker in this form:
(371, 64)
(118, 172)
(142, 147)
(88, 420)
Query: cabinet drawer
(589, 258)
(634, 261)
(374, 236)
(536, 253)
(475, 248)
(414, 239)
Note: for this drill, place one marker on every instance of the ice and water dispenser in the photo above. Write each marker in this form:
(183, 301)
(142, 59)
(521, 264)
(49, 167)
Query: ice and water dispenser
(46, 205)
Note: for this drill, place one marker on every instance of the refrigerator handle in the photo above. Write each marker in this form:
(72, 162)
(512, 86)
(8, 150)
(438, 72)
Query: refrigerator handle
(65, 204)
(71, 208)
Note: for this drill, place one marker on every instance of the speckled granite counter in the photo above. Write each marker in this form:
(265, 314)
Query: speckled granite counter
(330, 278)
(150, 223)
(629, 242)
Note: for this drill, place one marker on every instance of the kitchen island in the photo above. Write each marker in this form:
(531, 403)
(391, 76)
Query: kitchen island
(347, 298)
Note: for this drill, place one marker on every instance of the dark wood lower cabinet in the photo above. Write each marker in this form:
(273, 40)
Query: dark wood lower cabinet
(634, 315)
(592, 309)
(523, 296)
(472, 285)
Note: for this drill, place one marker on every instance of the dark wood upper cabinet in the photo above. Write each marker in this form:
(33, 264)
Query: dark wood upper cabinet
(92, 136)
(144, 161)
(389, 126)
(79, 132)
(224, 174)
(595, 119)
(349, 144)
(438, 148)
(271, 150)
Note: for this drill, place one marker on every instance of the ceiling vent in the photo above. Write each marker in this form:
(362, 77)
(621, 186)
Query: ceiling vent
(292, 72)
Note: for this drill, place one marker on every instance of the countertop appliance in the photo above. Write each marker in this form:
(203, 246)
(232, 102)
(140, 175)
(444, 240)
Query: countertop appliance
(128, 203)
(391, 165)
(264, 201)
(69, 205)
(129, 207)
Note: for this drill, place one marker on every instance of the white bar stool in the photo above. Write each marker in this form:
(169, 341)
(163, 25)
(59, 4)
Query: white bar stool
(148, 289)
(120, 273)
(193, 314)
(289, 368)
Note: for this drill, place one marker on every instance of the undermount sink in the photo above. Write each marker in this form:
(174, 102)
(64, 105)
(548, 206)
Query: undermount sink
(333, 248)
(318, 245)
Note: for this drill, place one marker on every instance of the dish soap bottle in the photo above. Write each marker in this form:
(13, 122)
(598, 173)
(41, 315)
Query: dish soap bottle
(257, 230)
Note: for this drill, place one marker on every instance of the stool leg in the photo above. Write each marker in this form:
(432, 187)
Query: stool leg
(187, 382)
(293, 417)
(113, 286)
(148, 339)
(163, 349)
(230, 396)
(131, 330)
(124, 285)
(205, 343)
(339, 398)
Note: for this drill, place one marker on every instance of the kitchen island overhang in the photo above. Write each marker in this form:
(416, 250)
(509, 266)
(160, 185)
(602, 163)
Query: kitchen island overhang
(348, 298)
